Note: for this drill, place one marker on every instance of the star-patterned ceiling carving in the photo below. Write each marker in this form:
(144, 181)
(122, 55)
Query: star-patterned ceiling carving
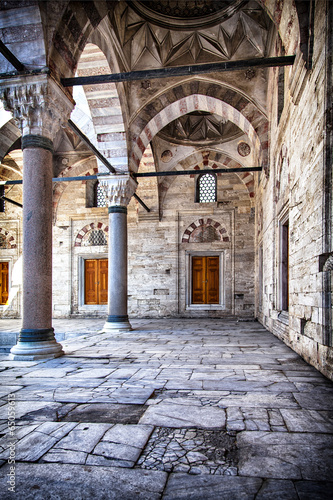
(147, 45)
(200, 128)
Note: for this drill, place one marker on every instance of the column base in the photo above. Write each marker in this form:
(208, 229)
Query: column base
(117, 323)
(31, 351)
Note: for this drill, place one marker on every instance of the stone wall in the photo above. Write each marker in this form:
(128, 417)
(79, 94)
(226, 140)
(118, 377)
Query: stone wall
(294, 191)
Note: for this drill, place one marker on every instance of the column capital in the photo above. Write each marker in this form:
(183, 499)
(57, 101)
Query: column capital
(38, 103)
(118, 189)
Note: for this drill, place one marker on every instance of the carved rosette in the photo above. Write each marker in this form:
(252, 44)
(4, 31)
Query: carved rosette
(118, 189)
(38, 104)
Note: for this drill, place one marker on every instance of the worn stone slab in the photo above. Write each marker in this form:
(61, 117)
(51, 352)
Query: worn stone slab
(306, 421)
(133, 435)
(285, 456)
(8, 389)
(315, 400)
(83, 437)
(208, 487)
(23, 408)
(259, 400)
(61, 456)
(73, 482)
(117, 451)
(245, 386)
(173, 415)
(106, 413)
(277, 489)
(314, 490)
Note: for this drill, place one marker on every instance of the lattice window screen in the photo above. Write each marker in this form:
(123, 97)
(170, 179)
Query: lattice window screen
(207, 188)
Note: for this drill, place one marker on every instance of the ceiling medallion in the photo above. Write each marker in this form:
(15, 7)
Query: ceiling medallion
(183, 14)
(166, 156)
(243, 149)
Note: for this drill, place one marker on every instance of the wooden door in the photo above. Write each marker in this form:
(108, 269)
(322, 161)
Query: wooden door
(205, 279)
(4, 282)
(96, 281)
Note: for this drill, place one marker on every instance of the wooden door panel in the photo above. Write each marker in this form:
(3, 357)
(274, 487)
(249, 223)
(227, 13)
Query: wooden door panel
(213, 280)
(4, 282)
(103, 281)
(96, 281)
(198, 280)
(205, 280)
(90, 296)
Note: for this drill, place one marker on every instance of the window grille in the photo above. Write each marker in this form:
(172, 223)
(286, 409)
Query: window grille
(207, 188)
(97, 238)
(100, 196)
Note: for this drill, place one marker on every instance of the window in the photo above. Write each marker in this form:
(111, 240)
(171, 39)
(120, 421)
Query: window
(100, 198)
(284, 265)
(206, 188)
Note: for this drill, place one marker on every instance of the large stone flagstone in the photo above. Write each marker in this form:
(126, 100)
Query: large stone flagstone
(173, 415)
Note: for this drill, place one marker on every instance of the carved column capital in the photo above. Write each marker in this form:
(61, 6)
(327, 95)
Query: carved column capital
(38, 104)
(118, 189)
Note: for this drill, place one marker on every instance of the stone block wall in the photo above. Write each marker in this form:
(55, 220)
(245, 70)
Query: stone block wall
(294, 191)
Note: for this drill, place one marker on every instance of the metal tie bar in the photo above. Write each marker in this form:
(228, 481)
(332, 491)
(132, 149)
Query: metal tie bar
(11, 58)
(196, 172)
(194, 69)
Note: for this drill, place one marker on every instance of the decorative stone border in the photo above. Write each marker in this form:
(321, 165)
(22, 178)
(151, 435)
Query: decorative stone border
(86, 229)
(9, 238)
(205, 222)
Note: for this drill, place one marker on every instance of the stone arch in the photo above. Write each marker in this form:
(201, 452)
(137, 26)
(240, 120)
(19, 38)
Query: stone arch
(204, 222)
(9, 133)
(79, 21)
(86, 229)
(10, 240)
(195, 102)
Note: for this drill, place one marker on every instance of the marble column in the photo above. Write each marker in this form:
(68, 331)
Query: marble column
(39, 107)
(119, 190)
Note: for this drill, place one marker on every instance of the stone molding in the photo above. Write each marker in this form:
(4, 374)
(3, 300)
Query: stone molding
(118, 189)
(38, 104)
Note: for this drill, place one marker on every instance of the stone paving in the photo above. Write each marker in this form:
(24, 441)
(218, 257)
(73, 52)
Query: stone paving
(175, 409)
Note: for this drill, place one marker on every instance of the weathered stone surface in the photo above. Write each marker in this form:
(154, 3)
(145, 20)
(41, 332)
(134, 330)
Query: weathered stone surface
(285, 456)
(83, 437)
(172, 415)
(133, 435)
(181, 486)
(73, 482)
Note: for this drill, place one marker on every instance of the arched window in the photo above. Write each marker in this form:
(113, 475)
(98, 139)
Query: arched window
(206, 188)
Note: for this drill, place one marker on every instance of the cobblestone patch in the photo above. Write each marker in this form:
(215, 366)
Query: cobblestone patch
(194, 451)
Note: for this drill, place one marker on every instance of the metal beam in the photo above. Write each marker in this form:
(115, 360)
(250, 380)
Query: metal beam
(141, 202)
(11, 58)
(85, 139)
(68, 179)
(194, 69)
(196, 172)
(12, 201)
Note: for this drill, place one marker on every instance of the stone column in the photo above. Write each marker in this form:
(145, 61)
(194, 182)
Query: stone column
(40, 107)
(119, 190)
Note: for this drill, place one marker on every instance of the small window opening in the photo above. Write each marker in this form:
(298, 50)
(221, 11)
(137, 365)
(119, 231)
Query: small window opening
(100, 198)
(206, 188)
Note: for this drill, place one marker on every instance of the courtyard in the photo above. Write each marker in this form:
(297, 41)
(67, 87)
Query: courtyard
(174, 409)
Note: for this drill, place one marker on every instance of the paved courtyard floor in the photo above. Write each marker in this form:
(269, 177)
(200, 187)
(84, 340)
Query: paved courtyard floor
(175, 409)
